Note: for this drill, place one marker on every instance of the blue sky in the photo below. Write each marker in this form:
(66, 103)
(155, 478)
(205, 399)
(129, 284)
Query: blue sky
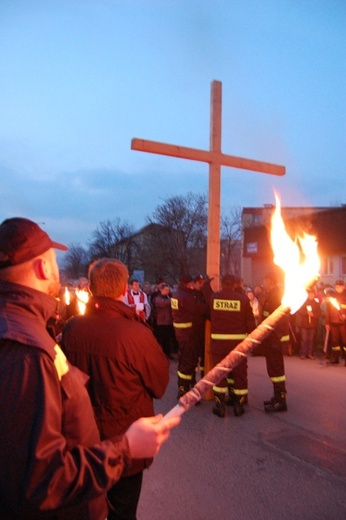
(79, 79)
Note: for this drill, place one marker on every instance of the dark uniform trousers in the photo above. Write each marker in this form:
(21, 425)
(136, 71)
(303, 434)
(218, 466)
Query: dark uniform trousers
(338, 333)
(272, 350)
(187, 353)
(237, 378)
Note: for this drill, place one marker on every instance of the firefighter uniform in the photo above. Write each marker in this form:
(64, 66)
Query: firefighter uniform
(272, 346)
(335, 320)
(231, 319)
(188, 312)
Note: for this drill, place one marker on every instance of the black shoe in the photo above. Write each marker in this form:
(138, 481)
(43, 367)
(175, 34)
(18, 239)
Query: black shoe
(278, 405)
(219, 406)
(217, 410)
(269, 402)
(239, 409)
(330, 362)
(239, 405)
(229, 400)
(181, 391)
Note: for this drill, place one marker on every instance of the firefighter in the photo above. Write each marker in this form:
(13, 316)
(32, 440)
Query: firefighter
(231, 319)
(202, 291)
(272, 345)
(188, 313)
(335, 322)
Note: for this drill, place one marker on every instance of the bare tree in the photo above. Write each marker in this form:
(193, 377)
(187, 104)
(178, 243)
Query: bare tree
(75, 262)
(178, 235)
(231, 241)
(113, 239)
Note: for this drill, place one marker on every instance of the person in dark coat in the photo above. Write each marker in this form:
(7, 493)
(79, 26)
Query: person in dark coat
(272, 345)
(336, 322)
(231, 319)
(53, 465)
(308, 316)
(187, 312)
(163, 319)
(126, 366)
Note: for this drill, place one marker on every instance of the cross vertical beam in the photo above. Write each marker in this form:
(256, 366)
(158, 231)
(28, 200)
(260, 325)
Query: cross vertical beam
(214, 195)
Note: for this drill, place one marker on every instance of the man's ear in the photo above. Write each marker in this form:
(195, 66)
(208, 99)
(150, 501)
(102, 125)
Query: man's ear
(41, 268)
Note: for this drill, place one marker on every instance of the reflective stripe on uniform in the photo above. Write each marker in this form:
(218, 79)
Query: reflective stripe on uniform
(60, 362)
(336, 348)
(236, 391)
(184, 376)
(175, 303)
(228, 336)
(220, 389)
(278, 379)
(285, 338)
(230, 381)
(183, 325)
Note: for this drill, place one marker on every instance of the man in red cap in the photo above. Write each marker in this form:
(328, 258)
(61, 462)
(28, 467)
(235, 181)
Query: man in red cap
(52, 462)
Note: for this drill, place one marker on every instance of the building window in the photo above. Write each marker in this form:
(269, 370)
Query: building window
(343, 265)
(251, 247)
(328, 265)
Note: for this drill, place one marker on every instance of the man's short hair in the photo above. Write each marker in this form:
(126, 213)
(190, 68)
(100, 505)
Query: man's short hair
(107, 278)
(228, 281)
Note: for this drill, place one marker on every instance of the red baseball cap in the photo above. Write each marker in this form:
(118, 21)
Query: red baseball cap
(21, 240)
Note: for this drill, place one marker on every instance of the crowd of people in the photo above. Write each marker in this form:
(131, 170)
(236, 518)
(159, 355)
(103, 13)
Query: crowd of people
(80, 367)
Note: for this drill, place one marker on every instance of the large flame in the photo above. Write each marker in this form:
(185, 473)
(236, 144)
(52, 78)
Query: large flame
(67, 296)
(300, 264)
(82, 300)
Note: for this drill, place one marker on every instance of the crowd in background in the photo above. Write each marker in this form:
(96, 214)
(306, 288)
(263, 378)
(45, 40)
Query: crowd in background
(315, 329)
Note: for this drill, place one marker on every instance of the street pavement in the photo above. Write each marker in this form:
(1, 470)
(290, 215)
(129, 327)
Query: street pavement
(286, 466)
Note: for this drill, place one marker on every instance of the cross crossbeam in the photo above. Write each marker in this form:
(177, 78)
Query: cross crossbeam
(215, 158)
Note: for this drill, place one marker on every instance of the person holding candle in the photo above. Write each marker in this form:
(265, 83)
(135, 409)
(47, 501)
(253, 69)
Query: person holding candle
(308, 316)
(137, 299)
(52, 462)
(336, 322)
(272, 345)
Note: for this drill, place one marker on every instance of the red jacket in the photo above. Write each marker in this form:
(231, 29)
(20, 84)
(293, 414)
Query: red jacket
(52, 463)
(126, 365)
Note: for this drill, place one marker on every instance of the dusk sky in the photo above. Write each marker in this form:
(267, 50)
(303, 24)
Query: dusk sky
(80, 78)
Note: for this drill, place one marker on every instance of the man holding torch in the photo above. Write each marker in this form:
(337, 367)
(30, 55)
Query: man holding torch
(52, 462)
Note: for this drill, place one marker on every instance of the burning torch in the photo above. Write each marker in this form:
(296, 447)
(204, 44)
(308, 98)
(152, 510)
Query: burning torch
(82, 300)
(300, 264)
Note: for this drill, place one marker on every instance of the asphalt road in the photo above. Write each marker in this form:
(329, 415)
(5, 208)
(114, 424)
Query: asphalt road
(286, 466)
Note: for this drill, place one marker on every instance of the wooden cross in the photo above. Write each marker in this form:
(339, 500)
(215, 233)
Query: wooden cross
(215, 158)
